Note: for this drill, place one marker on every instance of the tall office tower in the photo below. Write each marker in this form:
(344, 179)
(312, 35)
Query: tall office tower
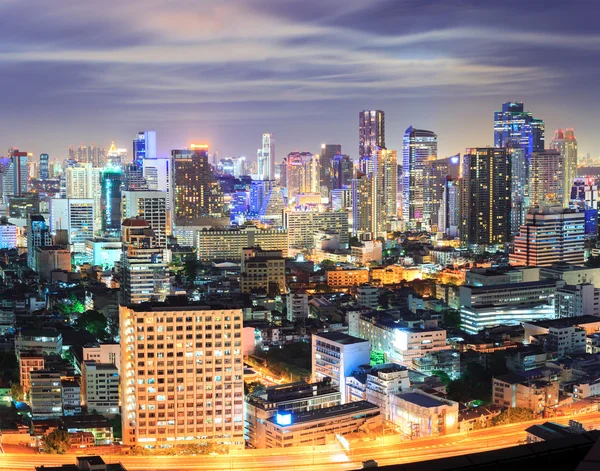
(546, 178)
(98, 156)
(341, 171)
(371, 131)
(144, 269)
(565, 142)
(435, 173)
(486, 197)
(225, 167)
(38, 235)
(266, 202)
(196, 192)
(151, 206)
(239, 167)
(197, 384)
(157, 173)
(449, 210)
(519, 188)
(328, 153)
(419, 146)
(585, 192)
(133, 177)
(15, 180)
(384, 202)
(82, 154)
(110, 185)
(79, 181)
(265, 157)
(551, 234)
(44, 167)
(302, 174)
(516, 128)
(361, 204)
(76, 216)
(144, 147)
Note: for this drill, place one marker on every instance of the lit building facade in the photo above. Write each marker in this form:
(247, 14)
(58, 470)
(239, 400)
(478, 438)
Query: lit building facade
(565, 142)
(144, 147)
(371, 131)
(262, 270)
(328, 155)
(150, 206)
(183, 375)
(100, 385)
(384, 190)
(546, 178)
(76, 216)
(228, 243)
(265, 157)
(516, 128)
(301, 226)
(418, 414)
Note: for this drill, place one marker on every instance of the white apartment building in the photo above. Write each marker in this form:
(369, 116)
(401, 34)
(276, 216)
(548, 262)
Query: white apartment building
(45, 394)
(336, 355)
(367, 296)
(571, 274)
(227, 244)
(577, 300)
(508, 293)
(301, 226)
(550, 235)
(100, 385)
(152, 207)
(512, 390)
(418, 414)
(183, 380)
(103, 353)
(297, 306)
(71, 397)
(566, 340)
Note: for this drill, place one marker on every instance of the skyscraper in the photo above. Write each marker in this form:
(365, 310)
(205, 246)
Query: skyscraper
(76, 216)
(341, 171)
(371, 131)
(546, 178)
(302, 174)
(38, 235)
(44, 167)
(514, 127)
(486, 197)
(384, 194)
(328, 153)
(150, 206)
(419, 146)
(186, 388)
(15, 181)
(144, 147)
(144, 269)
(435, 173)
(265, 158)
(361, 204)
(110, 185)
(565, 142)
(196, 192)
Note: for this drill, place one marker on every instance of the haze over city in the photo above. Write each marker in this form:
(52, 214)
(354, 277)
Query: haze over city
(225, 72)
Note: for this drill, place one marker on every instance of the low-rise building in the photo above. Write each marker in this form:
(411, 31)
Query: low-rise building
(367, 296)
(591, 325)
(294, 398)
(446, 361)
(46, 341)
(577, 300)
(71, 397)
(552, 431)
(297, 306)
(49, 258)
(45, 394)
(586, 388)
(100, 385)
(29, 361)
(262, 270)
(571, 274)
(513, 390)
(98, 425)
(347, 278)
(320, 427)
(418, 414)
(102, 353)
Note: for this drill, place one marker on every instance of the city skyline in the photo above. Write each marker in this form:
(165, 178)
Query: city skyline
(76, 86)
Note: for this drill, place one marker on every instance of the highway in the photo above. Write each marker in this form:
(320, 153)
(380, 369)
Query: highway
(322, 458)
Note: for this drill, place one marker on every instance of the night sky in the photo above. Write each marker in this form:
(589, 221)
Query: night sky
(225, 71)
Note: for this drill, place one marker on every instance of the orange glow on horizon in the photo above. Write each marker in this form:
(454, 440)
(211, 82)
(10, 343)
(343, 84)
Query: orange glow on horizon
(198, 146)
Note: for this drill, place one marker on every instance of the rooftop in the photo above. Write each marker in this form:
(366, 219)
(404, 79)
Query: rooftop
(565, 322)
(340, 337)
(421, 399)
(509, 286)
(551, 431)
(328, 412)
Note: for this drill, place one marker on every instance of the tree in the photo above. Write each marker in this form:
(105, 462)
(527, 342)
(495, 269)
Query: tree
(513, 415)
(354, 242)
(16, 392)
(444, 378)
(327, 264)
(252, 386)
(190, 269)
(58, 441)
(94, 322)
(452, 318)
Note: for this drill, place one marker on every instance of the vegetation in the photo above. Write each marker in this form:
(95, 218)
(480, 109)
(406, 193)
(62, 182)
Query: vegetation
(251, 387)
(475, 383)
(293, 360)
(513, 415)
(452, 318)
(16, 392)
(56, 442)
(444, 378)
(593, 261)
(94, 322)
(117, 427)
(72, 304)
(191, 449)
(327, 264)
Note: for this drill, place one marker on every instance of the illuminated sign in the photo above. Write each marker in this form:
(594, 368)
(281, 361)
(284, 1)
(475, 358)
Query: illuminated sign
(283, 418)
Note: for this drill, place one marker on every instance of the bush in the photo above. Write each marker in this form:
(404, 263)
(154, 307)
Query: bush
(514, 415)
(56, 442)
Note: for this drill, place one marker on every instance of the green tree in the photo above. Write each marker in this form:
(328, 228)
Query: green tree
(444, 378)
(190, 269)
(94, 322)
(513, 415)
(56, 442)
(252, 386)
(452, 318)
(16, 392)
(117, 427)
(327, 264)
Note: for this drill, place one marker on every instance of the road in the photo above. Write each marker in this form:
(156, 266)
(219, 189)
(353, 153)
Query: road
(323, 458)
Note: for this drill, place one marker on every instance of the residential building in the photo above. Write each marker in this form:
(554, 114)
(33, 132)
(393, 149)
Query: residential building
(196, 382)
(29, 361)
(104, 251)
(45, 341)
(293, 398)
(15, 179)
(550, 235)
(565, 142)
(345, 278)
(100, 387)
(103, 353)
(419, 147)
(45, 394)
(516, 128)
(563, 341)
(228, 243)
(384, 190)
(547, 184)
(297, 306)
(513, 390)
(262, 270)
(151, 206)
(303, 174)
(371, 131)
(144, 270)
(327, 156)
(486, 197)
(571, 274)
(336, 355)
(446, 361)
(369, 251)
(341, 172)
(319, 427)
(144, 147)
(76, 216)
(71, 397)
(577, 300)
(361, 204)
(367, 296)
(302, 224)
(97, 425)
(418, 414)
(436, 174)
(44, 173)
(50, 258)
(8, 235)
(38, 235)
(586, 388)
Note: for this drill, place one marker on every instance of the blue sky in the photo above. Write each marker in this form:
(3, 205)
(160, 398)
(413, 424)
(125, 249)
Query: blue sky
(224, 71)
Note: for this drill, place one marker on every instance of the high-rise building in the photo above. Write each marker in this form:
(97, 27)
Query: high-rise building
(228, 243)
(371, 131)
(341, 172)
(565, 142)
(302, 174)
(546, 178)
(110, 185)
(435, 173)
(361, 204)
(419, 147)
(265, 158)
(116, 157)
(181, 390)
(302, 225)
(449, 210)
(38, 235)
(144, 270)
(384, 190)
(81, 181)
(133, 177)
(15, 181)
(486, 197)
(550, 235)
(196, 192)
(76, 216)
(516, 128)
(44, 167)
(151, 206)
(144, 147)
(266, 202)
(519, 188)
(328, 153)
